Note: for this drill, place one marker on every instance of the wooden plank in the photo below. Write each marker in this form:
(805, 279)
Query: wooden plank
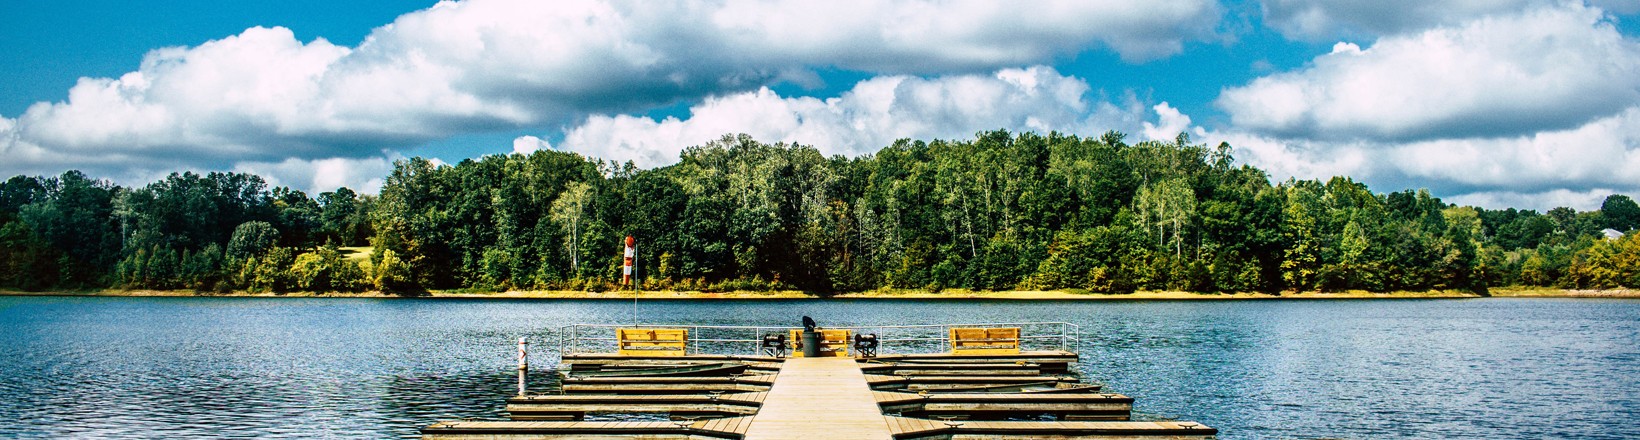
(819, 398)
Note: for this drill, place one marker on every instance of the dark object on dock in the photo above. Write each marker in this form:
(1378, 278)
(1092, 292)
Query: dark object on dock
(866, 345)
(810, 343)
(723, 369)
(774, 345)
(808, 324)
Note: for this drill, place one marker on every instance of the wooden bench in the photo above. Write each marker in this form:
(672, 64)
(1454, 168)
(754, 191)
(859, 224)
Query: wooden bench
(1001, 340)
(652, 341)
(833, 342)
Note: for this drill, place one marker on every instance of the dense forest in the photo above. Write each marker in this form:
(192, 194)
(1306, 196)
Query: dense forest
(1002, 211)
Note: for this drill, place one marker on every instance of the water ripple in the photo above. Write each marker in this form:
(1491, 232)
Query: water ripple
(360, 368)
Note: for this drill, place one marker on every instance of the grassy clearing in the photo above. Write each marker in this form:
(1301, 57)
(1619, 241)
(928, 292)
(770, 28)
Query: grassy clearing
(356, 253)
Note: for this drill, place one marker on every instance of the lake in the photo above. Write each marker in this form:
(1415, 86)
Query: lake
(380, 368)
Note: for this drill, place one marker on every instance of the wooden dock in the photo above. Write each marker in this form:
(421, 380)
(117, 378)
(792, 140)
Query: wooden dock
(819, 398)
(1005, 394)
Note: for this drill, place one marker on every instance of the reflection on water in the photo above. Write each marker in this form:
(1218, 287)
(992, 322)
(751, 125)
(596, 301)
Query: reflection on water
(361, 368)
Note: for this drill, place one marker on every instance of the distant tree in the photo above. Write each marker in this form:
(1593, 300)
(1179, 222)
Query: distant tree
(251, 239)
(569, 210)
(1621, 212)
(1168, 203)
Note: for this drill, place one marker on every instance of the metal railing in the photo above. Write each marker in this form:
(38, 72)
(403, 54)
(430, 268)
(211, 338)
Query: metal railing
(892, 339)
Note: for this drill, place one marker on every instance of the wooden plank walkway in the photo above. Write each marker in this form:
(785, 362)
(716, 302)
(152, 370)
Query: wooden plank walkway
(724, 428)
(914, 427)
(819, 398)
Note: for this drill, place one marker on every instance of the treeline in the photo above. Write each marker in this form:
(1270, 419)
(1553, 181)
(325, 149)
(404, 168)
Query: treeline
(1001, 211)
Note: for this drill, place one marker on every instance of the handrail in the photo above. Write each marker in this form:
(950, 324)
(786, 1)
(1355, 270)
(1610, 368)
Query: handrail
(893, 339)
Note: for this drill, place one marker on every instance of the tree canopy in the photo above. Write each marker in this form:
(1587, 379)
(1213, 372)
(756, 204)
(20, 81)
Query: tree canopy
(1000, 211)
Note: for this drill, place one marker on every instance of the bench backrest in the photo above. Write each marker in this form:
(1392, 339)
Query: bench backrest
(1000, 340)
(652, 341)
(833, 342)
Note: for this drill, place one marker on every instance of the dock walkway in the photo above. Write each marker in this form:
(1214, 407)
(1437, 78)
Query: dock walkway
(819, 398)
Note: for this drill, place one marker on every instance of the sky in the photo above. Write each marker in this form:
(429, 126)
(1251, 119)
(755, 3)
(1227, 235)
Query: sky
(1530, 104)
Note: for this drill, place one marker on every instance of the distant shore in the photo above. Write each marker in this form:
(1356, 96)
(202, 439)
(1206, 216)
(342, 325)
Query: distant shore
(1512, 292)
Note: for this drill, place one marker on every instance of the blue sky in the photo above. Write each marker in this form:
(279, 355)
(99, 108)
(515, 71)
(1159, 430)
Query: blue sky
(1525, 103)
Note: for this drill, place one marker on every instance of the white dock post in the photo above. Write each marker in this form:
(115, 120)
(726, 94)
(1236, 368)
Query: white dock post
(523, 363)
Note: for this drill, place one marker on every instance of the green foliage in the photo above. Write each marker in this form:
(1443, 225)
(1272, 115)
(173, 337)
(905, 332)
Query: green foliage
(324, 270)
(26, 260)
(1621, 212)
(390, 274)
(999, 211)
(271, 272)
(251, 239)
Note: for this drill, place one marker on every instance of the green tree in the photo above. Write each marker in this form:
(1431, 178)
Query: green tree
(251, 239)
(1621, 212)
(569, 210)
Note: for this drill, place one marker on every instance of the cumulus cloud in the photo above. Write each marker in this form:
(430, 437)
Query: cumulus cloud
(263, 96)
(1536, 109)
(529, 144)
(1542, 69)
(1170, 122)
(1575, 167)
(1585, 200)
(364, 175)
(870, 116)
(1325, 19)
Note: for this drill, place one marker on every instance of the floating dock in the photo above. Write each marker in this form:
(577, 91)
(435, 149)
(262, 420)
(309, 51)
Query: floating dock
(999, 394)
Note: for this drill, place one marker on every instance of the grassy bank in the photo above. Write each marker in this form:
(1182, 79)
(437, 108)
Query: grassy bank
(877, 294)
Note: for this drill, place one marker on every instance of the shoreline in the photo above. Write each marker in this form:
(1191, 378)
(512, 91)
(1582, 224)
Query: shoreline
(880, 294)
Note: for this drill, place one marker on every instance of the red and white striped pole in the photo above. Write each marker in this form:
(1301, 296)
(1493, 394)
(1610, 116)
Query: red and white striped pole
(626, 268)
(626, 274)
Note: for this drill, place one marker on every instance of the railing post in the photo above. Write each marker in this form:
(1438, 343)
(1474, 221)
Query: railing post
(523, 363)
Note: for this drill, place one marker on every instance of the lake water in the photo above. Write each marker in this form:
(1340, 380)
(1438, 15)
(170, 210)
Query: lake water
(362, 368)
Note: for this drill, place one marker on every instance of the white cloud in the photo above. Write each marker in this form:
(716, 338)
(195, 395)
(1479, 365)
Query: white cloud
(872, 115)
(1602, 153)
(1535, 109)
(364, 175)
(1319, 20)
(1284, 159)
(1541, 69)
(1587, 200)
(480, 65)
(1169, 124)
(529, 144)
(1575, 167)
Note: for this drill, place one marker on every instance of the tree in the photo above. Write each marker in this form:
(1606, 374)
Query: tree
(1621, 212)
(251, 239)
(569, 210)
(1167, 203)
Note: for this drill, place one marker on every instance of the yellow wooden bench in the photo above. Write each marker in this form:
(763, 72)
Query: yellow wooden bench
(652, 341)
(833, 342)
(1002, 340)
